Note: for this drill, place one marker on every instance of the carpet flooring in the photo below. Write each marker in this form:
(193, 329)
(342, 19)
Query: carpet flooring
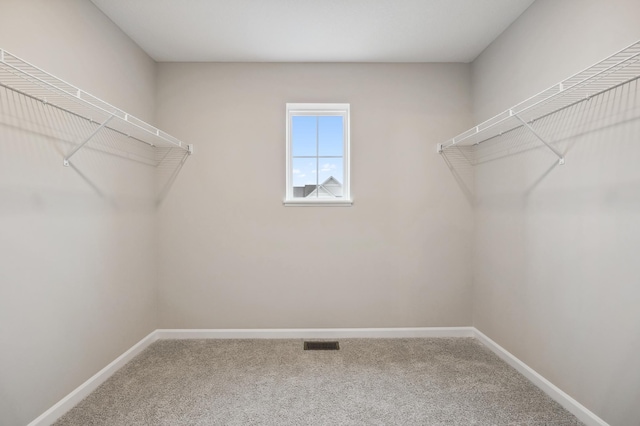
(440, 381)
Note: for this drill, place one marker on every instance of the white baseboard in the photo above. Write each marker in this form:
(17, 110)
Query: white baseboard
(82, 391)
(574, 407)
(316, 333)
(68, 402)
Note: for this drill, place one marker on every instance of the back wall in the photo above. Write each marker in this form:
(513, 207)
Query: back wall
(232, 256)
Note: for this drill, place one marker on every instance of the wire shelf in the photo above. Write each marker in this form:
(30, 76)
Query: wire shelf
(31, 82)
(610, 73)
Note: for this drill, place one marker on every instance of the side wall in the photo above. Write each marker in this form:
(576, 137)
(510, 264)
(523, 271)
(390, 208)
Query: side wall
(555, 260)
(77, 276)
(232, 256)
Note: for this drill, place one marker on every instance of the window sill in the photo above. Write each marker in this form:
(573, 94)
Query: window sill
(318, 203)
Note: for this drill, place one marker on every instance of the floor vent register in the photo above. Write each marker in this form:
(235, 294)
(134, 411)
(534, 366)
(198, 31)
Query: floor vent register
(321, 346)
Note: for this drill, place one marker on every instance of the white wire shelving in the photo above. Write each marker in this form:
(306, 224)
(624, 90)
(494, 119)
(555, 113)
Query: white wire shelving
(97, 116)
(618, 69)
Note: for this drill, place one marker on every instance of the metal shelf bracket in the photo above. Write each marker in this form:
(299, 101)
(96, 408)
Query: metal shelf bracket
(540, 138)
(65, 162)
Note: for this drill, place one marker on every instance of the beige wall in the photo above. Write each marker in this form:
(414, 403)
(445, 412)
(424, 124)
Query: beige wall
(555, 268)
(232, 256)
(77, 276)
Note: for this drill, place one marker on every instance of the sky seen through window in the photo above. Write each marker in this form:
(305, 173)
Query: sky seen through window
(318, 149)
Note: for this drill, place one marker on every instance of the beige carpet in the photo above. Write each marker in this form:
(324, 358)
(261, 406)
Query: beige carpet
(443, 381)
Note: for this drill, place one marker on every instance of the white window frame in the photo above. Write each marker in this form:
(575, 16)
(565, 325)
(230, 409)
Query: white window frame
(343, 110)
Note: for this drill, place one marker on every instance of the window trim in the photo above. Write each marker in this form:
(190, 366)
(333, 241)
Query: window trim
(319, 109)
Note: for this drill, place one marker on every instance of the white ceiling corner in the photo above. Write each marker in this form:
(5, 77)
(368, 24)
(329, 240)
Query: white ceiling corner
(313, 30)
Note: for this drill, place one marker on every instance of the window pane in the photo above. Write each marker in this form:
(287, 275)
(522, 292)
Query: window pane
(303, 176)
(303, 135)
(330, 177)
(330, 135)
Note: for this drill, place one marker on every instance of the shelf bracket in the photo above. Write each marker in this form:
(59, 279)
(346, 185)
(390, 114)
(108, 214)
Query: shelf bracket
(65, 162)
(540, 138)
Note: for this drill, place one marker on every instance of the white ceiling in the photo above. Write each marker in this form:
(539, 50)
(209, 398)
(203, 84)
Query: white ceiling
(313, 30)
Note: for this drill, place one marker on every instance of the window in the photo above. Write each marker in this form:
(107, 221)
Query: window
(317, 155)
